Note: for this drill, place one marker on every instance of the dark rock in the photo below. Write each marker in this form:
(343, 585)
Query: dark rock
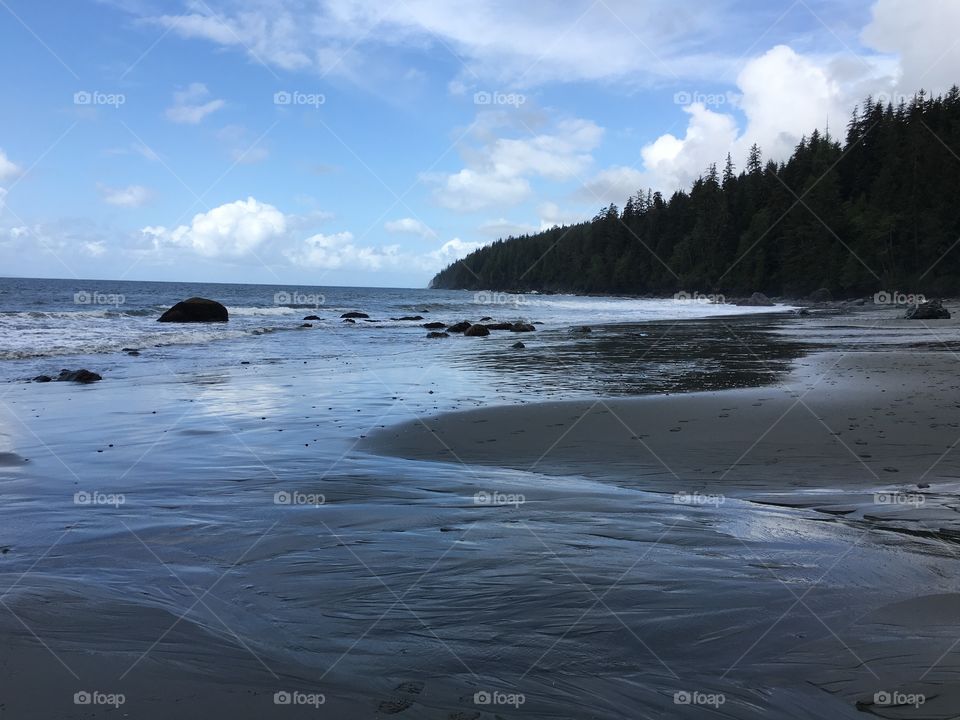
(409, 317)
(802, 311)
(80, 376)
(434, 325)
(312, 317)
(42, 378)
(133, 353)
(522, 327)
(930, 310)
(351, 321)
(459, 327)
(758, 299)
(821, 295)
(583, 329)
(477, 331)
(518, 345)
(195, 309)
(484, 319)
(437, 334)
(500, 326)
(354, 314)
(307, 325)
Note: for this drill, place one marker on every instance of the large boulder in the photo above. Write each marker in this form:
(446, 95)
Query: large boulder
(477, 331)
(500, 326)
(459, 327)
(195, 310)
(930, 310)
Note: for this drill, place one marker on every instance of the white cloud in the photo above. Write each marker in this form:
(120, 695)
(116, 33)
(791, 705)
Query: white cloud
(131, 196)
(783, 96)
(613, 185)
(231, 230)
(190, 106)
(500, 41)
(410, 226)
(8, 168)
(447, 253)
(95, 248)
(923, 34)
(499, 174)
(333, 252)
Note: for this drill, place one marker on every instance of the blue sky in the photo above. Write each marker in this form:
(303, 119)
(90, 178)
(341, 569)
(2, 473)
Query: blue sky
(351, 142)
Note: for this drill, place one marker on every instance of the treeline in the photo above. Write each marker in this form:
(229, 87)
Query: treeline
(881, 210)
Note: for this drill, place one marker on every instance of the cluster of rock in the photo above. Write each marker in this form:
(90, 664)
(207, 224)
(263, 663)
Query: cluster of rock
(930, 310)
(479, 329)
(77, 376)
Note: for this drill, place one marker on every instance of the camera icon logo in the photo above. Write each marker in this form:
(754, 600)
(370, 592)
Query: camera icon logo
(282, 498)
(682, 698)
(82, 97)
(682, 98)
(82, 297)
(82, 698)
(482, 98)
(282, 98)
(482, 697)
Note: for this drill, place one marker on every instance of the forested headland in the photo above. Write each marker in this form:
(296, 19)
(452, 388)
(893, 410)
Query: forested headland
(879, 210)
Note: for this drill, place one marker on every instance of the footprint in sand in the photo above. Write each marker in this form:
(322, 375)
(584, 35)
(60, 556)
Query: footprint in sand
(405, 696)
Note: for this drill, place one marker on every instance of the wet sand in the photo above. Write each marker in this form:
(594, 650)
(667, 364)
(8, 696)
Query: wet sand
(603, 557)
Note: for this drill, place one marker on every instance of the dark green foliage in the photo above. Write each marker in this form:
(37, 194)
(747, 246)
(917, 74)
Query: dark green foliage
(881, 211)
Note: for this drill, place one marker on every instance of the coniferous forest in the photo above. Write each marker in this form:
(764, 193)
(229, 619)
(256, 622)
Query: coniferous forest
(879, 210)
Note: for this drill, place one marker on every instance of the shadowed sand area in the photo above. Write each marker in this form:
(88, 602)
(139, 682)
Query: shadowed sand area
(837, 486)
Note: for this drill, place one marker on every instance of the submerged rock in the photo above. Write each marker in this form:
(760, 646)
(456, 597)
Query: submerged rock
(930, 310)
(435, 334)
(354, 314)
(351, 321)
(42, 378)
(477, 331)
(312, 317)
(434, 325)
(307, 325)
(583, 329)
(195, 309)
(459, 327)
(409, 317)
(522, 327)
(518, 345)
